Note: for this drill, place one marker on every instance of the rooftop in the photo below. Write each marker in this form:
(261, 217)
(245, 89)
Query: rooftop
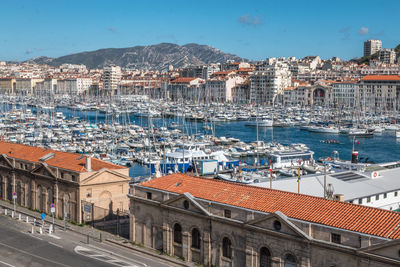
(64, 160)
(367, 220)
(381, 78)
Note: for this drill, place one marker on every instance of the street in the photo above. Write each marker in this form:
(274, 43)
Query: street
(19, 247)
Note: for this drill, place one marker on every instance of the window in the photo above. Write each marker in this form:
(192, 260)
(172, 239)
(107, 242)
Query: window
(178, 233)
(360, 201)
(62, 175)
(368, 199)
(73, 177)
(290, 260)
(395, 194)
(186, 204)
(265, 257)
(227, 213)
(277, 225)
(377, 197)
(335, 238)
(148, 195)
(226, 248)
(385, 195)
(195, 238)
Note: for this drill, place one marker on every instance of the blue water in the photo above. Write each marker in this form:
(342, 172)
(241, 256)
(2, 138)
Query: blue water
(379, 148)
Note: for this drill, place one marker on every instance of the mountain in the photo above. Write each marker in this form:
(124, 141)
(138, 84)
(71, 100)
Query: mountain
(158, 56)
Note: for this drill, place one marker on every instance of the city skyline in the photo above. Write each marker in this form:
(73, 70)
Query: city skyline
(254, 31)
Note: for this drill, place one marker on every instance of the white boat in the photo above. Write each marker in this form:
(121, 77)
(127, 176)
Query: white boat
(398, 134)
(291, 158)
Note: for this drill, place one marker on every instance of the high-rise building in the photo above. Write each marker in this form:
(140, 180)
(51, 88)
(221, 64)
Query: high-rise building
(111, 79)
(371, 47)
(387, 56)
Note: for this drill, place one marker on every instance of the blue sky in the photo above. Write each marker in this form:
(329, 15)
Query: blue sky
(251, 29)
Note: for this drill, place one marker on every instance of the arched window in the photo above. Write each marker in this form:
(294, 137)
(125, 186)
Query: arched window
(39, 198)
(178, 233)
(227, 248)
(290, 260)
(195, 238)
(265, 257)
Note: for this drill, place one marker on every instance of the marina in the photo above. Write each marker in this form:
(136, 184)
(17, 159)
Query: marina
(146, 136)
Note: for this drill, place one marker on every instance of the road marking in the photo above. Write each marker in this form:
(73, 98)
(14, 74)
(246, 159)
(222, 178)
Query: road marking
(54, 236)
(112, 253)
(5, 263)
(114, 258)
(33, 255)
(54, 244)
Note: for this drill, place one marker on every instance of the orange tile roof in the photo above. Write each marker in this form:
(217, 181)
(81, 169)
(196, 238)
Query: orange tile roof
(381, 78)
(363, 219)
(64, 160)
(183, 80)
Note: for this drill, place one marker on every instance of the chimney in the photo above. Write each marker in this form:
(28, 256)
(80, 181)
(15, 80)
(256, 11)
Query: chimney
(88, 165)
(338, 197)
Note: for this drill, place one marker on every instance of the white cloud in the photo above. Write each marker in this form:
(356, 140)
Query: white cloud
(363, 31)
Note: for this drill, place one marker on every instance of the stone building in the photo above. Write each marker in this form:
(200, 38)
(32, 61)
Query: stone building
(41, 177)
(218, 223)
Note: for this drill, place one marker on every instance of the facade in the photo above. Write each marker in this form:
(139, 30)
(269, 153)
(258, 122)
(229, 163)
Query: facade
(46, 87)
(219, 87)
(379, 93)
(111, 79)
(188, 88)
(25, 86)
(74, 86)
(387, 56)
(344, 93)
(315, 95)
(7, 85)
(371, 47)
(41, 177)
(216, 223)
(267, 82)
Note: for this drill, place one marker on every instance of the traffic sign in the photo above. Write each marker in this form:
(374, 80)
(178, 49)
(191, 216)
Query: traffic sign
(52, 208)
(14, 195)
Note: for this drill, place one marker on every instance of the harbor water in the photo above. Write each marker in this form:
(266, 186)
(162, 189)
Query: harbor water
(379, 148)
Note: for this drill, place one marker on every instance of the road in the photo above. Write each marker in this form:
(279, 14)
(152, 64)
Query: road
(19, 247)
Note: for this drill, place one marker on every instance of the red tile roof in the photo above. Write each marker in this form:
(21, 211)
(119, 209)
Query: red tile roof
(381, 78)
(367, 220)
(183, 80)
(64, 160)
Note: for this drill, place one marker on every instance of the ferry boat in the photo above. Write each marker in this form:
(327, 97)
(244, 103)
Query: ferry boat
(291, 158)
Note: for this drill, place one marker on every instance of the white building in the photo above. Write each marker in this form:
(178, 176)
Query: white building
(111, 79)
(344, 93)
(73, 86)
(268, 81)
(371, 47)
(387, 56)
(219, 87)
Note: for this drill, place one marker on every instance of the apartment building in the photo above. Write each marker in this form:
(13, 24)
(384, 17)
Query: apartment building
(344, 93)
(387, 56)
(111, 79)
(73, 86)
(268, 81)
(371, 47)
(186, 88)
(219, 87)
(379, 93)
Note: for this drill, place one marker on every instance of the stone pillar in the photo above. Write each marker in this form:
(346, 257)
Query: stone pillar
(166, 239)
(33, 194)
(206, 249)
(55, 196)
(251, 257)
(14, 183)
(185, 245)
(4, 181)
(45, 200)
(132, 223)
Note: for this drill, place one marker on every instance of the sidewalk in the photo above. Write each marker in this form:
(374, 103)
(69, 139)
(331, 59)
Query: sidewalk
(86, 232)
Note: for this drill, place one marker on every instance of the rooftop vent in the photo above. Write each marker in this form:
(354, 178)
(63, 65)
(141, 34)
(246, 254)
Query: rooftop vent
(47, 157)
